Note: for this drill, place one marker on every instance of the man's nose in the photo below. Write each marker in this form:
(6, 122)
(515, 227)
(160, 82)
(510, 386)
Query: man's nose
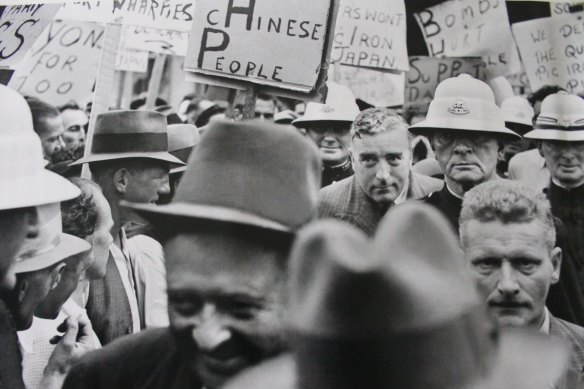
(61, 143)
(165, 186)
(462, 146)
(383, 171)
(209, 331)
(508, 284)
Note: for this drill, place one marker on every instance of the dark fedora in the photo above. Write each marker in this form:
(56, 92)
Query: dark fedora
(251, 173)
(129, 134)
(397, 312)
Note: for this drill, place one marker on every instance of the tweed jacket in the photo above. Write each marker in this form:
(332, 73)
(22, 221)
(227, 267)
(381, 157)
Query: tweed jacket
(574, 335)
(346, 200)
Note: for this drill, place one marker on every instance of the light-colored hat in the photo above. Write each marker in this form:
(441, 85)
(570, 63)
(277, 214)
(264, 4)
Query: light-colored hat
(561, 118)
(51, 245)
(24, 182)
(397, 312)
(517, 110)
(340, 107)
(182, 139)
(463, 103)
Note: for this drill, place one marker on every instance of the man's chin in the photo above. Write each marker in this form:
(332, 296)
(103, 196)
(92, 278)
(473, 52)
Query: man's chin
(213, 379)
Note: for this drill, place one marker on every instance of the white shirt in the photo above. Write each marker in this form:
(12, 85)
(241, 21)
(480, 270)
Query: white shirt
(545, 326)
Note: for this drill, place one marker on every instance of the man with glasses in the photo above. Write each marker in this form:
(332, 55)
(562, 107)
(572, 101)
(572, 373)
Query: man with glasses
(466, 130)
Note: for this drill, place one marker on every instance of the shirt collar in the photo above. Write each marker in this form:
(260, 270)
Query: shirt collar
(452, 192)
(403, 196)
(545, 326)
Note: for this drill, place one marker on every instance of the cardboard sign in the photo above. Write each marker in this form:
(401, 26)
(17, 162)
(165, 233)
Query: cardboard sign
(62, 64)
(98, 11)
(553, 51)
(471, 28)
(427, 72)
(166, 14)
(520, 83)
(377, 88)
(559, 9)
(156, 40)
(132, 61)
(371, 34)
(20, 26)
(281, 43)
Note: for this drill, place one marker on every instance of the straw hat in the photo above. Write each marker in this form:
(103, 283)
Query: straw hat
(463, 103)
(51, 245)
(561, 118)
(398, 312)
(182, 138)
(24, 182)
(252, 173)
(129, 134)
(340, 107)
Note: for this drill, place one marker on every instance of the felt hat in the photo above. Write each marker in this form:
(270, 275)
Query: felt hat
(129, 134)
(51, 245)
(464, 103)
(24, 182)
(561, 117)
(397, 312)
(249, 173)
(340, 107)
(182, 138)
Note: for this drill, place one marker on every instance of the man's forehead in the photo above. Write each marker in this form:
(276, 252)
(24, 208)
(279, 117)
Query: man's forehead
(393, 141)
(496, 235)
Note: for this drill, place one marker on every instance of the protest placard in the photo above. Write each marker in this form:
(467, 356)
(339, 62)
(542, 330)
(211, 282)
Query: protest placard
(552, 50)
(20, 26)
(377, 88)
(371, 34)
(132, 61)
(427, 72)
(283, 44)
(471, 28)
(62, 64)
(559, 8)
(165, 14)
(520, 83)
(99, 11)
(156, 40)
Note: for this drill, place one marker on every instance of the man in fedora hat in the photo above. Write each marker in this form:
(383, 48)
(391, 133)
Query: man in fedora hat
(507, 233)
(396, 312)
(466, 130)
(328, 125)
(227, 233)
(129, 160)
(382, 159)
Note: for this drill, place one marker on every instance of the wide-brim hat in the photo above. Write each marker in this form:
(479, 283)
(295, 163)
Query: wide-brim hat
(561, 118)
(467, 104)
(51, 245)
(249, 173)
(129, 134)
(400, 311)
(340, 107)
(182, 138)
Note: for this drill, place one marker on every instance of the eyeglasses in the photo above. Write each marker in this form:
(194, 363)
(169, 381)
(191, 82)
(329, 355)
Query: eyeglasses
(447, 138)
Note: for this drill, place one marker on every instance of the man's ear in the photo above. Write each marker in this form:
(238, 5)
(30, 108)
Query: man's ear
(23, 285)
(120, 180)
(501, 155)
(352, 157)
(556, 258)
(56, 274)
(431, 141)
(540, 148)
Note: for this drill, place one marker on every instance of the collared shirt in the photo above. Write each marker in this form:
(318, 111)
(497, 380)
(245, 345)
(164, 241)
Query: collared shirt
(125, 266)
(403, 196)
(453, 192)
(545, 326)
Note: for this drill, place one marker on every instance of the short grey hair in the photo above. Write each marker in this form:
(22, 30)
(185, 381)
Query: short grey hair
(508, 202)
(375, 121)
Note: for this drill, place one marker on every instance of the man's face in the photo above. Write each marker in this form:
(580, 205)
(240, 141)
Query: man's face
(565, 161)
(51, 136)
(101, 238)
(382, 164)
(332, 140)
(513, 267)
(265, 109)
(225, 302)
(75, 123)
(146, 183)
(466, 158)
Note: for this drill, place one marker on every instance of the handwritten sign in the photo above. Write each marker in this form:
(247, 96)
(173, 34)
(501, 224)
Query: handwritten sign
(62, 64)
(166, 14)
(566, 8)
(427, 72)
(20, 26)
(377, 88)
(156, 40)
(99, 11)
(277, 43)
(553, 51)
(471, 28)
(132, 61)
(372, 34)
(520, 83)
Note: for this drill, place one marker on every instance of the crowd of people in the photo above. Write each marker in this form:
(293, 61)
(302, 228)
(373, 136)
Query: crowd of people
(312, 248)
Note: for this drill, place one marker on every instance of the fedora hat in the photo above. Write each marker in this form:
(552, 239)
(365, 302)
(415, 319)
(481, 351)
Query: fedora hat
(129, 134)
(182, 138)
(464, 103)
(340, 107)
(397, 312)
(51, 245)
(252, 173)
(561, 118)
(24, 181)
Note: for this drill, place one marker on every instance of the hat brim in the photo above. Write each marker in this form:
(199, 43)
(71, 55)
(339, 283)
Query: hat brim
(161, 156)
(68, 246)
(313, 122)
(547, 134)
(523, 360)
(427, 127)
(158, 213)
(44, 188)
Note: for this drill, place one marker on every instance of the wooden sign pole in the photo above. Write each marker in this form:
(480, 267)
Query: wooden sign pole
(251, 95)
(155, 79)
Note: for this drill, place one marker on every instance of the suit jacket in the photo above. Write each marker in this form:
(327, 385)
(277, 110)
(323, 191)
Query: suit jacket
(147, 360)
(574, 335)
(346, 200)
(10, 357)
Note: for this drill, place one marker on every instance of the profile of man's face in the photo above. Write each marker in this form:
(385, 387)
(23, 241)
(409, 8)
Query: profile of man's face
(513, 267)
(565, 161)
(225, 302)
(332, 140)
